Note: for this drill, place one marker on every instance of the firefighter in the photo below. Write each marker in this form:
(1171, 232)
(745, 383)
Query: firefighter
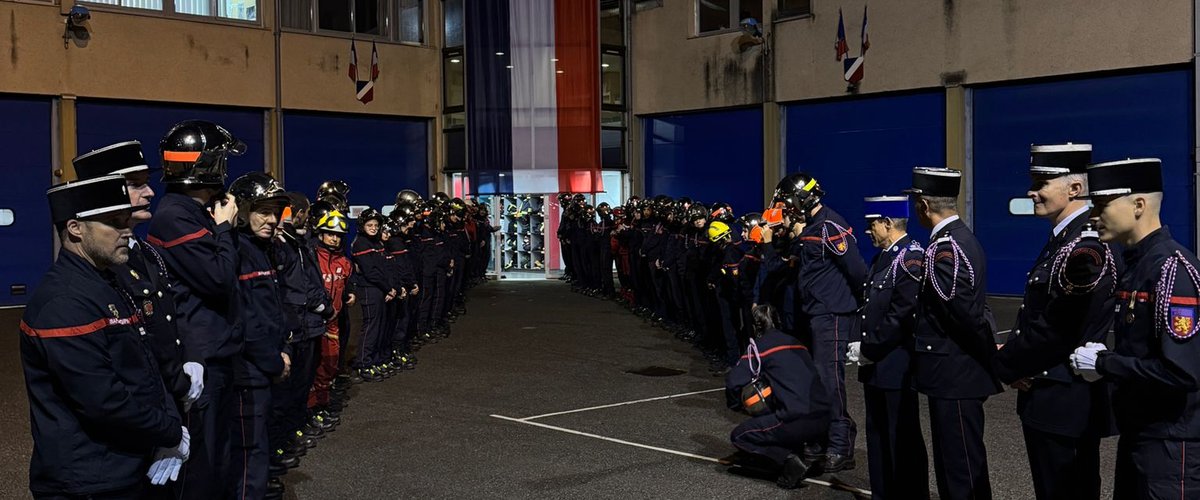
(100, 415)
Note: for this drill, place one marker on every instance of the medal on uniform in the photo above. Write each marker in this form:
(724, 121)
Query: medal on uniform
(1132, 301)
(134, 274)
(113, 309)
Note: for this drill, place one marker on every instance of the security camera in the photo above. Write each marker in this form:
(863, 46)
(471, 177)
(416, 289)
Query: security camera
(78, 15)
(75, 28)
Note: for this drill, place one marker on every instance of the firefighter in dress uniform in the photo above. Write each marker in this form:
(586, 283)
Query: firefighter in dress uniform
(100, 415)
(1068, 302)
(896, 455)
(1154, 364)
(954, 338)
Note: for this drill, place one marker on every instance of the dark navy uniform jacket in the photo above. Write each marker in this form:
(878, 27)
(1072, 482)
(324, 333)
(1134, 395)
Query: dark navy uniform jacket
(796, 389)
(1056, 317)
(97, 404)
(887, 315)
(747, 269)
(146, 280)
(954, 341)
(831, 270)
(1155, 363)
(724, 272)
(432, 246)
(264, 322)
(457, 244)
(203, 258)
(370, 264)
(301, 284)
(403, 274)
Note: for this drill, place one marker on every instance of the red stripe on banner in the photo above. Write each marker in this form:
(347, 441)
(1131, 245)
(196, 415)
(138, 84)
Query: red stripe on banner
(577, 85)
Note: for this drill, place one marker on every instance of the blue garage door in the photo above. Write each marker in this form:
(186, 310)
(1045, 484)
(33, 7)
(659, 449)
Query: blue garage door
(1140, 115)
(377, 156)
(866, 147)
(711, 157)
(100, 123)
(25, 230)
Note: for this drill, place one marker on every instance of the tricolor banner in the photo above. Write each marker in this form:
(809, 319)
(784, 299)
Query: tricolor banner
(533, 96)
(364, 91)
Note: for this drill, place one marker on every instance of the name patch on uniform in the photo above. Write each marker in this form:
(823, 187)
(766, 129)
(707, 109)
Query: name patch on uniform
(1182, 321)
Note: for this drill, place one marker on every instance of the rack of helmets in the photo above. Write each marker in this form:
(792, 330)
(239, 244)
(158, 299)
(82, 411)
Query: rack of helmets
(522, 239)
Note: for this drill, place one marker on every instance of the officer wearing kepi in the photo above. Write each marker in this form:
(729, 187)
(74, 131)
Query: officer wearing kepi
(898, 463)
(193, 231)
(145, 277)
(1155, 363)
(954, 342)
(1068, 299)
(100, 415)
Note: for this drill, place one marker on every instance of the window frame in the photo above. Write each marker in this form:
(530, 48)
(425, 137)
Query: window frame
(168, 12)
(391, 23)
(784, 15)
(735, 20)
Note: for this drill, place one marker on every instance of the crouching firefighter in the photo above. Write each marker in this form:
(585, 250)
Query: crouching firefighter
(776, 383)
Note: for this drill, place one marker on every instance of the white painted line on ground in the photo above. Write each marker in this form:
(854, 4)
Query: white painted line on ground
(841, 487)
(620, 404)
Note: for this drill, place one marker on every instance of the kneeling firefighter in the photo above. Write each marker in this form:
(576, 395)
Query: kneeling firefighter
(776, 383)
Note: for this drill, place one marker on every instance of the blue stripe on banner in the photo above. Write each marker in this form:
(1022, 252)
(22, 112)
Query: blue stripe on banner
(489, 100)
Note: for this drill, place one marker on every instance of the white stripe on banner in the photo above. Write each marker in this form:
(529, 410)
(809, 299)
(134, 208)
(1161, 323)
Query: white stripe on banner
(534, 102)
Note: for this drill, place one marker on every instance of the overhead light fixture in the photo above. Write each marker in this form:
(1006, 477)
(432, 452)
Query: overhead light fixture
(509, 66)
(604, 65)
(456, 61)
(554, 59)
(559, 71)
(499, 53)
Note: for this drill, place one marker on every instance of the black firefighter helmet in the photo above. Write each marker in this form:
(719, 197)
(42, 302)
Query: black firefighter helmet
(799, 193)
(195, 152)
(257, 189)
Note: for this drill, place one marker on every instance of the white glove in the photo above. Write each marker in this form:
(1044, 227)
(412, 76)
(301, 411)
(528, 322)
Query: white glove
(168, 461)
(854, 354)
(1083, 360)
(195, 372)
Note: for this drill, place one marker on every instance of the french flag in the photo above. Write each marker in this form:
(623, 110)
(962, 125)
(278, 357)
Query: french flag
(533, 96)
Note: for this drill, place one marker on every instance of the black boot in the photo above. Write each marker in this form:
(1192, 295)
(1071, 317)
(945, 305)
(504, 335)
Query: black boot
(793, 473)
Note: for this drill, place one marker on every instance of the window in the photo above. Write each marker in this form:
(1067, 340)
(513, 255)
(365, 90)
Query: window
(714, 16)
(453, 10)
(788, 8)
(612, 78)
(390, 20)
(612, 27)
(241, 10)
(454, 86)
(454, 115)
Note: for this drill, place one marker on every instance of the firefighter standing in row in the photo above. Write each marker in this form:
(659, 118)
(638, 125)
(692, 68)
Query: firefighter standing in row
(954, 337)
(1154, 364)
(193, 232)
(102, 419)
(1068, 302)
(898, 463)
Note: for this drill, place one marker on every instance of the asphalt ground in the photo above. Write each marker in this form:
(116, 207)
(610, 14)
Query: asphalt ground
(459, 425)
